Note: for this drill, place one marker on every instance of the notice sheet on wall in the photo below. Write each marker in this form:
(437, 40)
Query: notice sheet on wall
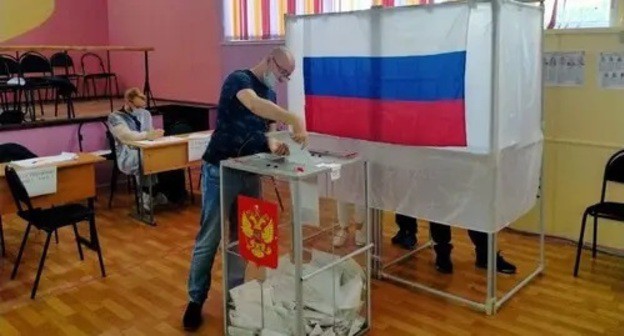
(611, 70)
(564, 68)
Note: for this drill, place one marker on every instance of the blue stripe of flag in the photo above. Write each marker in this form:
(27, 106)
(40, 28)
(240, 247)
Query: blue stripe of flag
(406, 78)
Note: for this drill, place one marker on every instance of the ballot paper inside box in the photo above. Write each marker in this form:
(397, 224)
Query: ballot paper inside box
(317, 288)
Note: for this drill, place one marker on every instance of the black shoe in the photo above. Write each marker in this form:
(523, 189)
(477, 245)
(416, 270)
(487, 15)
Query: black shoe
(502, 265)
(407, 241)
(443, 261)
(192, 316)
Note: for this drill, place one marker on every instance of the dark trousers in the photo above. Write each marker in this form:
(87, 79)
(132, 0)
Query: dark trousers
(441, 234)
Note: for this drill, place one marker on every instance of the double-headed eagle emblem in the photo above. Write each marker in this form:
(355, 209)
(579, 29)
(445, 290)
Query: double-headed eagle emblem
(259, 229)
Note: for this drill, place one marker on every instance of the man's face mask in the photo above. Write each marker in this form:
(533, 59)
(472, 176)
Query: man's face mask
(269, 79)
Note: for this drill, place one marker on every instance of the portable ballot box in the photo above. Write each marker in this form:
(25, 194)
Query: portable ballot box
(282, 274)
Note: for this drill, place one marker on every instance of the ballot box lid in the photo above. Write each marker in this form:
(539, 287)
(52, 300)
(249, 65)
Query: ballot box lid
(280, 166)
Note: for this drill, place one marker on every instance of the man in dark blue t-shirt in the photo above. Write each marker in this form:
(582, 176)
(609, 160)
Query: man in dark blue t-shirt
(247, 110)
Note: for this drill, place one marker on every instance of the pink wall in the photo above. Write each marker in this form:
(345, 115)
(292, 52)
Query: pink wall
(186, 64)
(74, 22)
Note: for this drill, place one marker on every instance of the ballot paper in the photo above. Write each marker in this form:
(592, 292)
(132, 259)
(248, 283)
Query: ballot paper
(335, 169)
(45, 160)
(269, 332)
(308, 197)
(332, 300)
(297, 152)
(236, 331)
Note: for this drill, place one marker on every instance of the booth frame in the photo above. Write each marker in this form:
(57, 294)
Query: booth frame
(492, 302)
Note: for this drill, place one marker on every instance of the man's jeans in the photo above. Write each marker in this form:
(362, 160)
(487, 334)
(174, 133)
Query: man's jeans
(209, 236)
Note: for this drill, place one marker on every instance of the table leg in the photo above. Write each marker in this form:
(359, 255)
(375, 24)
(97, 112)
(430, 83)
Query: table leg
(151, 202)
(141, 214)
(3, 251)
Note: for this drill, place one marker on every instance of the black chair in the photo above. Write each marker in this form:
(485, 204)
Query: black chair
(48, 221)
(36, 70)
(63, 67)
(65, 90)
(115, 170)
(9, 68)
(12, 152)
(112, 157)
(38, 74)
(614, 172)
(92, 77)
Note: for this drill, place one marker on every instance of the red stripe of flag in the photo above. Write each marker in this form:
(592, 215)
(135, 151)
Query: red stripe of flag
(266, 18)
(412, 123)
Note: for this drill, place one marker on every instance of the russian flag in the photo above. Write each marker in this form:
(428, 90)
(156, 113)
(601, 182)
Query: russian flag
(377, 77)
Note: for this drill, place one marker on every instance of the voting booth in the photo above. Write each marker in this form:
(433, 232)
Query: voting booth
(281, 273)
(444, 102)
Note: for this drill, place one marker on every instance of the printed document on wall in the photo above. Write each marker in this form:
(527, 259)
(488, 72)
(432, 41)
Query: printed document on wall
(611, 70)
(564, 68)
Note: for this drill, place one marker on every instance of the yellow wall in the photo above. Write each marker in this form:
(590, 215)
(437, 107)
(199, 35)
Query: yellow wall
(584, 127)
(19, 16)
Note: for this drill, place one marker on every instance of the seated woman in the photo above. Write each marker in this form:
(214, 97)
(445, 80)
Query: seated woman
(132, 123)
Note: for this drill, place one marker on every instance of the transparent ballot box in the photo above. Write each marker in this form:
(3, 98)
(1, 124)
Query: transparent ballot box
(289, 266)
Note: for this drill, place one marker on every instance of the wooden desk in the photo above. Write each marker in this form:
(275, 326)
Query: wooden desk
(165, 156)
(161, 157)
(75, 182)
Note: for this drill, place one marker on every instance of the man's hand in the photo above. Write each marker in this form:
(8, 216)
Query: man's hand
(279, 148)
(300, 135)
(155, 134)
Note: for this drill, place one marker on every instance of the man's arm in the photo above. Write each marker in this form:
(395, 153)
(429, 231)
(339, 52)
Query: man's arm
(266, 108)
(123, 133)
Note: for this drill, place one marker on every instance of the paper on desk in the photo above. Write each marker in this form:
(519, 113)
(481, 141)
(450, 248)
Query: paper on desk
(160, 140)
(45, 160)
(199, 135)
(103, 152)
